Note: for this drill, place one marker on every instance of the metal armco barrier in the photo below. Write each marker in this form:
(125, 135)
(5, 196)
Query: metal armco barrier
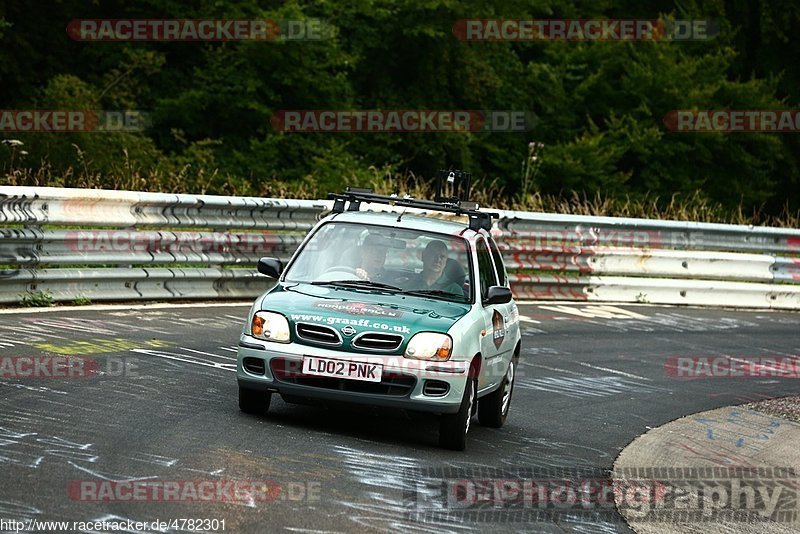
(123, 245)
(571, 257)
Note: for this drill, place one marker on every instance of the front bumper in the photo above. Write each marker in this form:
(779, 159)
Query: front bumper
(406, 383)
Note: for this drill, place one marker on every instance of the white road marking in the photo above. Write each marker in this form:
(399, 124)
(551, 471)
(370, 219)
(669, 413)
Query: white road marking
(526, 319)
(216, 472)
(60, 442)
(614, 371)
(103, 476)
(553, 369)
(208, 354)
(154, 459)
(602, 386)
(596, 312)
(159, 354)
(311, 531)
(36, 388)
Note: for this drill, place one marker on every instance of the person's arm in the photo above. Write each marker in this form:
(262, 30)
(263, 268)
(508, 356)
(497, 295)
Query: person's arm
(455, 288)
(450, 287)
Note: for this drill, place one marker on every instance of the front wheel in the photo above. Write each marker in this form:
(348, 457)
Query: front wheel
(453, 428)
(254, 402)
(493, 408)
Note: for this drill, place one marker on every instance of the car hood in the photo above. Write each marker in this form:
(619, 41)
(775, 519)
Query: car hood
(364, 311)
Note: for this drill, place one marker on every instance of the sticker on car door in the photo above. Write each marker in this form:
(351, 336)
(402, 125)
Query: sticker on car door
(498, 329)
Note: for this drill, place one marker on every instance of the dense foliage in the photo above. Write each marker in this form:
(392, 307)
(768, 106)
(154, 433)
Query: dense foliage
(600, 105)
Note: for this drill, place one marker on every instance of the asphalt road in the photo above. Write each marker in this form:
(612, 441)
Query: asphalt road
(163, 408)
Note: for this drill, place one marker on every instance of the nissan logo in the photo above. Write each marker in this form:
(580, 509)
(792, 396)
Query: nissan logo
(348, 330)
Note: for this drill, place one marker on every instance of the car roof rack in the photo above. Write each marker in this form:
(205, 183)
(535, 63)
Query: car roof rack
(352, 198)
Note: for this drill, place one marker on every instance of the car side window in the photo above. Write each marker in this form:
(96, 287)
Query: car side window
(499, 267)
(486, 268)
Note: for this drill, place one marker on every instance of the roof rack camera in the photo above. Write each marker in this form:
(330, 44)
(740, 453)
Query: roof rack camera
(455, 183)
(352, 198)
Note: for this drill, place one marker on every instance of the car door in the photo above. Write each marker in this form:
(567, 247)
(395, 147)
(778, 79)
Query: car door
(494, 317)
(509, 310)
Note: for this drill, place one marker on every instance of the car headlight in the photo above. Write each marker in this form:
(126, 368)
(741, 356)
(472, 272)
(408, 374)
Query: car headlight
(430, 346)
(270, 326)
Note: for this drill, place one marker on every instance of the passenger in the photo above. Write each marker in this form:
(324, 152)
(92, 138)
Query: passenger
(433, 276)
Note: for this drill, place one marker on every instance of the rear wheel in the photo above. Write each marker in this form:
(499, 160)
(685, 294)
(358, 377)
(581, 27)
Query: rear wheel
(493, 408)
(254, 402)
(453, 428)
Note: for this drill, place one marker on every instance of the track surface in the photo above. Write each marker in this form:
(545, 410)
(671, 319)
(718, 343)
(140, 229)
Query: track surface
(591, 379)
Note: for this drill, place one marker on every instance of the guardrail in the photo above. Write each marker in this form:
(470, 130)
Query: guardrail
(120, 245)
(661, 262)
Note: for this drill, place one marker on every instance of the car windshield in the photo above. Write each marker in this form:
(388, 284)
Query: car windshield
(385, 259)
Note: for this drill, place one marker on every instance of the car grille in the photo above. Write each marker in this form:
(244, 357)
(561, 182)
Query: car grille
(317, 333)
(378, 341)
(391, 384)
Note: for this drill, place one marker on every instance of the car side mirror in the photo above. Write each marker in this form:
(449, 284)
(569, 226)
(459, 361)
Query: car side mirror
(497, 295)
(272, 267)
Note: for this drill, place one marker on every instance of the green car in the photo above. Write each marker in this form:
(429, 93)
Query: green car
(387, 309)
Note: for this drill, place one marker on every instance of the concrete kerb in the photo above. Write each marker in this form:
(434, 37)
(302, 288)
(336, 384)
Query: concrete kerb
(700, 461)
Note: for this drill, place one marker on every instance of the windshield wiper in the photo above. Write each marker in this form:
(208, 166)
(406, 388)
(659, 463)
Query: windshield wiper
(363, 284)
(433, 293)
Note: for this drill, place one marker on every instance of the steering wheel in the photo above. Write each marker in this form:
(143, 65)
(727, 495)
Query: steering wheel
(338, 272)
(340, 269)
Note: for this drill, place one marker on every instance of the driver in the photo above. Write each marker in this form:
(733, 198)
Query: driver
(373, 258)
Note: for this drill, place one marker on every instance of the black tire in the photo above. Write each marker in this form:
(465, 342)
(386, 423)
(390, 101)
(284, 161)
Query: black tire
(493, 408)
(254, 402)
(453, 428)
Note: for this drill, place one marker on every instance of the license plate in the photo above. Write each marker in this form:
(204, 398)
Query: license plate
(368, 372)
